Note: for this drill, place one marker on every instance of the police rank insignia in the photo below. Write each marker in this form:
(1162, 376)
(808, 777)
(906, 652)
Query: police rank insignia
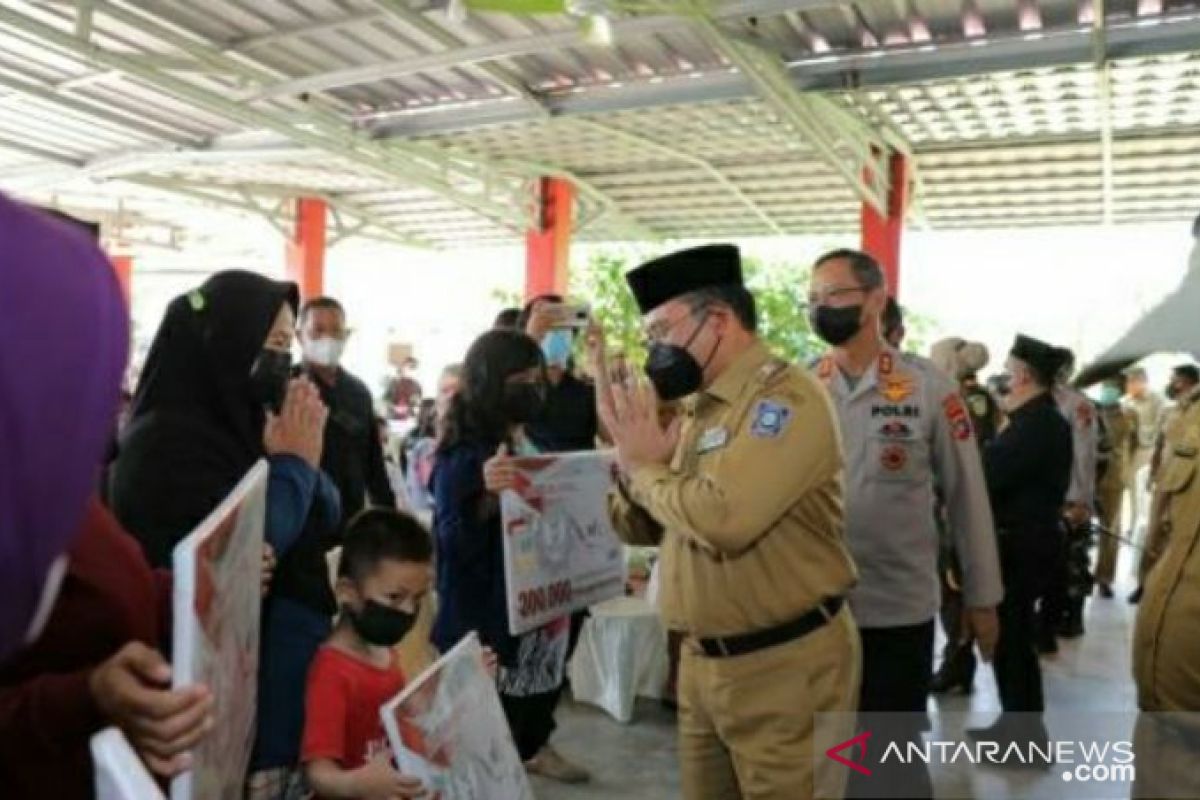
(895, 387)
(956, 414)
(770, 418)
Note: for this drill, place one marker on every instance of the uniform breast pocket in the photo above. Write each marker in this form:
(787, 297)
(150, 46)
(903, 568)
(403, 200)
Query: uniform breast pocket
(1178, 474)
(897, 460)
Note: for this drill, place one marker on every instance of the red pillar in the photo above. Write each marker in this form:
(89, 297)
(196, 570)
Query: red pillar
(548, 244)
(881, 233)
(123, 266)
(306, 249)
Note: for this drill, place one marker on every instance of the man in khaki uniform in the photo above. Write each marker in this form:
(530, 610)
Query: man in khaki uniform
(1158, 529)
(1166, 647)
(1149, 407)
(1120, 441)
(743, 492)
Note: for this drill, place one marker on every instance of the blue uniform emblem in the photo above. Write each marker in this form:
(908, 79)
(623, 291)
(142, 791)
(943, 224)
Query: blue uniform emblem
(770, 418)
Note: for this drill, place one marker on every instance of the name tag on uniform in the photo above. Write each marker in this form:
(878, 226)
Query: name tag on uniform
(712, 439)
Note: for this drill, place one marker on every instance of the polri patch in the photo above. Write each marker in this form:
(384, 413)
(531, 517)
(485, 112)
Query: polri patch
(770, 418)
(712, 439)
(1083, 414)
(956, 415)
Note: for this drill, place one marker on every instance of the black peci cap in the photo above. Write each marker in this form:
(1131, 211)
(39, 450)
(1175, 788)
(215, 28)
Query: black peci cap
(684, 271)
(1045, 358)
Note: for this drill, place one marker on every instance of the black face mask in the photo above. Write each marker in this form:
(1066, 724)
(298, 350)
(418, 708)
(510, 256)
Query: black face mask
(269, 377)
(675, 372)
(836, 326)
(524, 402)
(380, 625)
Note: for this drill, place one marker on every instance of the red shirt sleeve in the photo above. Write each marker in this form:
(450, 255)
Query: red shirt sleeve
(324, 712)
(45, 718)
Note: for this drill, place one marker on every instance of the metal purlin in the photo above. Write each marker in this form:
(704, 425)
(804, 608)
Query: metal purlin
(827, 126)
(651, 144)
(422, 165)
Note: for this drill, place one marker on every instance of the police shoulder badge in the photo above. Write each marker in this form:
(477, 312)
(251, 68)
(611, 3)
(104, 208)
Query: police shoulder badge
(1084, 414)
(956, 415)
(770, 418)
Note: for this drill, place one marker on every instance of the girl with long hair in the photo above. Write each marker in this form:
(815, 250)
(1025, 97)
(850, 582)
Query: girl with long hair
(503, 388)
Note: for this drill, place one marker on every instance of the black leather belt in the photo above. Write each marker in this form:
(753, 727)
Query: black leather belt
(760, 640)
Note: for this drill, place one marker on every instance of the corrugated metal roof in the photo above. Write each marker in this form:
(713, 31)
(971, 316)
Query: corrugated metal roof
(431, 130)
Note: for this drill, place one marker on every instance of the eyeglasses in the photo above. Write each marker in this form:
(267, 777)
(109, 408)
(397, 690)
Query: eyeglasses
(822, 296)
(658, 331)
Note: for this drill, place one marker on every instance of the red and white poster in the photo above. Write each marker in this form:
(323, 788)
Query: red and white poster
(217, 602)
(560, 552)
(447, 729)
(119, 773)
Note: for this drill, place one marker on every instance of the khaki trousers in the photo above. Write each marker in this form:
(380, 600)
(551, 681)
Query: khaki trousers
(746, 723)
(1111, 497)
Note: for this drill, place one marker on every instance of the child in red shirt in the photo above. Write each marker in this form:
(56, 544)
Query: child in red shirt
(384, 575)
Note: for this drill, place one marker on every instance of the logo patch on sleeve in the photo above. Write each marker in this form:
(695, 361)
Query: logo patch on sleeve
(770, 418)
(956, 415)
(979, 406)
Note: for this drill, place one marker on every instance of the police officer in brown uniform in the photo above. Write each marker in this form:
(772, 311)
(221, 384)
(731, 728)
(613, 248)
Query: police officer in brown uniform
(743, 491)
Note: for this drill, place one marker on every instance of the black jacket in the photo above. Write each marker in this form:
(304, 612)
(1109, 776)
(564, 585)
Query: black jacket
(1028, 467)
(353, 455)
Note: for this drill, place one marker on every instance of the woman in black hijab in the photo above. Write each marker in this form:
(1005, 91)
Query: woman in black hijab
(214, 397)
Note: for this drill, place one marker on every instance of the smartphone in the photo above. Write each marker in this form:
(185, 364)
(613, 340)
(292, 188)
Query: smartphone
(575, 317)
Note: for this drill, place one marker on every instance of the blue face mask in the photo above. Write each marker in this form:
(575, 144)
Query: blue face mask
(556, 346)
(1110, 396)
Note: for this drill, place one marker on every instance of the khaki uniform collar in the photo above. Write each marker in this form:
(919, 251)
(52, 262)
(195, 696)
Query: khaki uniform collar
(729, 384)
(1190, 399)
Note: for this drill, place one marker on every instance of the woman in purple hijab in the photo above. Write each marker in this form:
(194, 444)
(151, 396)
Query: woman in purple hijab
(94, 662)
(64, 336)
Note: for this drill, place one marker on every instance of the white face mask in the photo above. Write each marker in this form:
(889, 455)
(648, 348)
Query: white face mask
(325, 352)
(50, 589)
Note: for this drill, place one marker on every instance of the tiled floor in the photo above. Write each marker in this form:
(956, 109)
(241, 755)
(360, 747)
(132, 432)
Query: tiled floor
(638, 761)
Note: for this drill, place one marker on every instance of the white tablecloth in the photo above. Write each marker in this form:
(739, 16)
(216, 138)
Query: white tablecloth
(622, 655)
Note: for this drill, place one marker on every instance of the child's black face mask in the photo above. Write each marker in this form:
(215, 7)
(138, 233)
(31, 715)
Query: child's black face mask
(380, 625)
